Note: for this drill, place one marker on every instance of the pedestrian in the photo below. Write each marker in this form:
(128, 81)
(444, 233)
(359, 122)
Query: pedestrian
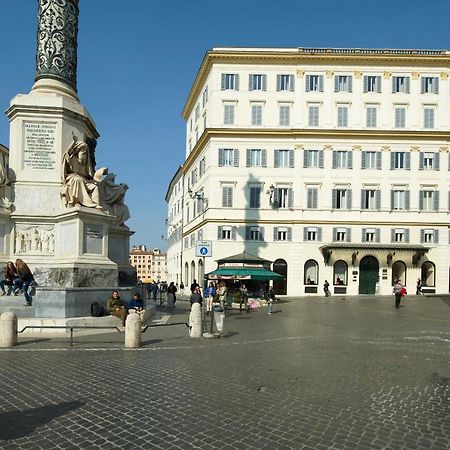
(270, 299)
(243, 298)
(136, 304)
(196, 297)
(115, 307)
(10, 275)
(398, 291)
(171, 298)
(209, 294)
(182, 288)
(326, 288)
(25, 278)
(223, 291)
(194, 286)
(419, 287)
(154, 289)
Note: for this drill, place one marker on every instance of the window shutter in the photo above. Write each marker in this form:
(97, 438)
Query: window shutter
(289, 234)
(275, 233)
(407, 235)
(264, 82)
(333, 198)
(436, 236)
(233, 233)
(436, 161)
(363, 196)
(377, 235)
(275, 158)
(422, 87)
(290, 198)
(309, 199)
(311, 116)
(236, 82)
(348, 235)
(379, 160)
(320, 83)
(350, 83)
(247, 233)
(305, 158)
(436, 85)
(421, 158)
(422, 236)
(436, 200)
(321, 159)
(250, 82)
(263, 158)
(408, 161)
(392, 200)
(291, 83)
(278, 82)
(230, 197)
(392, 160)
(291, 158)
(307, 78)
(366, 84)
(407, 200)
(407, 85)
(220, 157)
(334, 159)
(236, 157)
(336, 84)
(363, 235)
(392, 235)
(393, 85)
(315, 198)
(420, 200)
(363, 160)
(261, 233)
(349, 198)
(350, 159)
(305, 234)
(378, 199)
(223, 82)
(219, 232)
(334, 234)
(276, 198)
(319, 234)
(378, 84)
(224, 196)
(248, 158)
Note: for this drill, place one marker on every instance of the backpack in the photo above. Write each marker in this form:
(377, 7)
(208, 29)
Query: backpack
(97, 310)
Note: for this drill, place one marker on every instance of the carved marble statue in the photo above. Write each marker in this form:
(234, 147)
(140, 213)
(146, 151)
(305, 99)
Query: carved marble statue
(112, 196)
(35, 239)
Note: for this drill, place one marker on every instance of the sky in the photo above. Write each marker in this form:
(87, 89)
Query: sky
(137, 60)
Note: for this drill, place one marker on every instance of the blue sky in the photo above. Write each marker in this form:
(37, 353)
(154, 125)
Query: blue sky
(137, 60)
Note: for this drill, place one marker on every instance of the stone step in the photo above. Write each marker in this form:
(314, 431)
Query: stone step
(12, 301)
(19, 310)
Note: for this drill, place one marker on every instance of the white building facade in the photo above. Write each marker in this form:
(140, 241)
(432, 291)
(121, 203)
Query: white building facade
(333, 163)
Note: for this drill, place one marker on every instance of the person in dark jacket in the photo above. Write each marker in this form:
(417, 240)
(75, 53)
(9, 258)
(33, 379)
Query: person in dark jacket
(171, 297)
(115, 307)
(136, 303)
(196, 297)
(25, 278)
(10, 276)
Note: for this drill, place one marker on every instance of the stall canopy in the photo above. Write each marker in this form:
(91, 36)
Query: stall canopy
(243, 267)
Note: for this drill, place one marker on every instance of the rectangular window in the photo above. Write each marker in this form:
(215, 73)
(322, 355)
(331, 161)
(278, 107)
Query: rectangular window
(428, 200)
(370, 160)
(202, 166)
(340, 199)
(313, 158)
(285, 82)
(312, 197)
(228, 114)
(254, 233)
(257, 82)
(255, 197)
(282, 198)
(400, 117)
(428, 117)
(285, 115)
(399, 160)
(256, 115)
(342, 83)
(369, 199)
(400, 235)
(342, 116)
(372, 83)
(255, 156)
(281, 234)
(230, 81)
(225, 233)
(428, 161)
(226, 157)
(227, 196)
(314, 83)
(313, 116)
(341, 234)
(399, 200)
(429, 85)
(400, 84)
(369, 235)
(205, 96)
(428, 236)
(282, 158)
(340, 159)
(371, 117)
(311, 234)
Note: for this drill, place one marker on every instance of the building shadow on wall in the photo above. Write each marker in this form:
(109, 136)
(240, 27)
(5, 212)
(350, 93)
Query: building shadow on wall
(17, 424)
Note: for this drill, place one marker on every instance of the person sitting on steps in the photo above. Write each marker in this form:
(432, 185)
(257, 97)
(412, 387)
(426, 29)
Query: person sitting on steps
(115, 307)
(10, 275)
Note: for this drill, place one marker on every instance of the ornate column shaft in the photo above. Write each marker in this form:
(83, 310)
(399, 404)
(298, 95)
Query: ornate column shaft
(56, 55)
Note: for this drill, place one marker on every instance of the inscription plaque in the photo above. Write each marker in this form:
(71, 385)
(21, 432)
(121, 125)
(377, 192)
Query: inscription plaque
(39, 146)
(93, 239)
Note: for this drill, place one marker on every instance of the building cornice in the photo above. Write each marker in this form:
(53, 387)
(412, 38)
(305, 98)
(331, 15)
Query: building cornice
(295, 133)
(316, 56)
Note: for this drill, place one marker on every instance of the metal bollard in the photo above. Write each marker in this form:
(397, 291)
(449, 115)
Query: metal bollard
(195, 321)
(133, 331)
(8, 329)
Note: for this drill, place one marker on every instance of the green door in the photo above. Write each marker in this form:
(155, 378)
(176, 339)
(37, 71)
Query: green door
(368, 275)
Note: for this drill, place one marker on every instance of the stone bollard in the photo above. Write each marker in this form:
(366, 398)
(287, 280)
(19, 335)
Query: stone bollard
(195, 321)
(133, 331)
(8, 329)
(219, 318)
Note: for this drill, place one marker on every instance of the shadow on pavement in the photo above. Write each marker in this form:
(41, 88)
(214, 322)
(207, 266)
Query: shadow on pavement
(17, 424)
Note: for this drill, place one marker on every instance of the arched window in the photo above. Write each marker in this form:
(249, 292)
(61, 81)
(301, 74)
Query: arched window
(340, 270)
(398, 272)
(428, 274)
(186, 273)
(311, 275)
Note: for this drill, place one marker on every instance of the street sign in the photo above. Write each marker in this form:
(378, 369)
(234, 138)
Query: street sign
(203, 248)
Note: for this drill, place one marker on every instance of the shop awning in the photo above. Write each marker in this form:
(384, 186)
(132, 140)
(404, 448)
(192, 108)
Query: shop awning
(243, 273)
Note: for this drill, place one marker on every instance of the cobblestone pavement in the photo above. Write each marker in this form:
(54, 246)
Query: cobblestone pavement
(317, 374)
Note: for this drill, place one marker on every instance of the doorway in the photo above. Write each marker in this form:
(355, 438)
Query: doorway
(279, 286)
(368, 275)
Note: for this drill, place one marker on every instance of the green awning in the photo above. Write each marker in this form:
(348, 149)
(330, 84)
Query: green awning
(243, 273)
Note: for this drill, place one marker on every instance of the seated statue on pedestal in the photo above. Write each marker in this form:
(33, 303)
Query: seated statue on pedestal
(84, 186)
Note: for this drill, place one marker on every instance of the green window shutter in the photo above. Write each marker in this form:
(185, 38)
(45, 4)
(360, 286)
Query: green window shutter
(349, 198)
(291, 83)
(436, 236)
(219, 232)
(392, 160)
(220, 157)
(305, 234)
(278, 82)
(378, 84)
(436, 85)
(334, 234)
(275, 233)
(321, 159)
(320, 83)
(309, 198)
(289, 233)
(378, 200)
(407, 201)
(261, 233)
(436, 200)
(291, 158)
(334, 198)
(421, 158)
(379, 160)
(394, 90)
(365, 83)
(247, 233)
(377, 235)
(250, 82)
(392, 199)
(422, 85)
(233, 233)
(305, 158)
(334, 160)
(319, 234)
(348, 236)
(264, 82)
(236, 82)
(264, 157)
(307, 80)
(248, 157)
(408, 161)
(363, 159)
(421, 200)
(276, 158)
(392, 235)
(350, 159)
(350, 83)
(336, 83)
(236, 157)
(437, 161)
(290, 198)
(407, 235)
(363, 235)
(422, 236)
(223, 82)
(363, 197)
(407, 85)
